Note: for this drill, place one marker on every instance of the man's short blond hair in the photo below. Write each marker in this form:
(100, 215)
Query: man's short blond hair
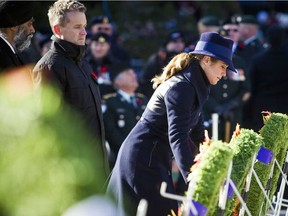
(57, 12)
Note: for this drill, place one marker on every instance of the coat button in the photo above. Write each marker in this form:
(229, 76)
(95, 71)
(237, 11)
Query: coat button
(225, 95)
(225, 86)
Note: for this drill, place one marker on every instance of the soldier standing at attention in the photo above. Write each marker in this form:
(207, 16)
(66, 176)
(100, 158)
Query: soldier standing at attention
(122, 109)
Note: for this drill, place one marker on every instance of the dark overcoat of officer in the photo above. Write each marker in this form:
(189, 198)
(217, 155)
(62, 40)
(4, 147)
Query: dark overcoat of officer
(120, 116)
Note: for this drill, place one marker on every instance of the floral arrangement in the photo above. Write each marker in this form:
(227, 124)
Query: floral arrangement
(245, 143)
(209, 172)
(275, 137)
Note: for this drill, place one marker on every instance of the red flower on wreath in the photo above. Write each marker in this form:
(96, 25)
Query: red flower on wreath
(94, 75)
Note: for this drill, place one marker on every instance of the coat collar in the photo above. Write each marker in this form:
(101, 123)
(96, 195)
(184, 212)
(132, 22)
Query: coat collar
(76, 52)
(196, 76)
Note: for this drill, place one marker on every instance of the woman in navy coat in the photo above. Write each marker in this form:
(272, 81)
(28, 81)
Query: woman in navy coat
(162, 133)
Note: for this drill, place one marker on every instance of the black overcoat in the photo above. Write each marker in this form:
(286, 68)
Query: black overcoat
(63, 65)
(144, 159)
(8, 59)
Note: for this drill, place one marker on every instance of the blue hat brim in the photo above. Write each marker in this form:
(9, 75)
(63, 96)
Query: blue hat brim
(225, 60)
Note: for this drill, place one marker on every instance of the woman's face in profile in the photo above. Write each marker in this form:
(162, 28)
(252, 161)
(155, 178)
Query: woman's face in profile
(214, 70)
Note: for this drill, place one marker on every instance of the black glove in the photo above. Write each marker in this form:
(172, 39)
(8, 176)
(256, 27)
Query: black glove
(228, 115)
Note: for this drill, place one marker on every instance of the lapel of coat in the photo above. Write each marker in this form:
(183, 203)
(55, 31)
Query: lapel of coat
(195, 75)
(14, 59)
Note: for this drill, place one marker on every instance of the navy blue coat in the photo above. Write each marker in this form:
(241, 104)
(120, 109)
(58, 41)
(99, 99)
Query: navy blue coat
(144, 159)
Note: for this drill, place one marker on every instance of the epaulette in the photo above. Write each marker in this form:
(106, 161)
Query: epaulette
(110, 95)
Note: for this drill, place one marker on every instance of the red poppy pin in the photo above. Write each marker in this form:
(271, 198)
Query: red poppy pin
(94, 75)
(139, 102)
(103, 69)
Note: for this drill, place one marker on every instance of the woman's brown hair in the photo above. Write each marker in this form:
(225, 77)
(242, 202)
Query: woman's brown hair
(177, 63)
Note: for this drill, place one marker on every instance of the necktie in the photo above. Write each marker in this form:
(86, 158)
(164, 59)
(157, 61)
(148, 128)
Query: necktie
(133, 101)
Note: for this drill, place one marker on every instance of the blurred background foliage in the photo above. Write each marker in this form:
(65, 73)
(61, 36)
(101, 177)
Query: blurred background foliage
(48, 161)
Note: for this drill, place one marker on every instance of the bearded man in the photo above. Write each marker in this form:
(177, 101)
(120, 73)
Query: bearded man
(16, 31)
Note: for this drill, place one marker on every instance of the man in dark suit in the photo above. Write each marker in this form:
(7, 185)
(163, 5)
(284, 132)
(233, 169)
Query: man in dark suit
(122, 109)
(65, 67)
(16, 32)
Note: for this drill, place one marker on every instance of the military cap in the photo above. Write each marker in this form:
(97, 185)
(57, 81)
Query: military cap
(101, 37)
(230, 20)
(174, 36)
(14, 13)
(118, 68)
(100, 20)
(210, 21)
(247, 19)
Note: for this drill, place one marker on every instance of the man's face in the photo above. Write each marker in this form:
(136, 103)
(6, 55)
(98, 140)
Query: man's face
(102, 27)
(176, 46)
(22, 39)
(74, 30)
(99, 50)
(233, 32)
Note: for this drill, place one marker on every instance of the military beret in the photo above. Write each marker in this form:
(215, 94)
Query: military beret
(210, 21)
(248, 19)
(230, 20)
(14, 13)
(118, 68)
(99, 20)
(101, 37)
(175, 35)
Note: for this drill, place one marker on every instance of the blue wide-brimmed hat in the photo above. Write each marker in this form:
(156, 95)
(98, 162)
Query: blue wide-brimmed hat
(214, 45)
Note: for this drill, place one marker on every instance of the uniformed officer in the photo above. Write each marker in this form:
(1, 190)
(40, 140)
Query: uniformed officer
(121, 109)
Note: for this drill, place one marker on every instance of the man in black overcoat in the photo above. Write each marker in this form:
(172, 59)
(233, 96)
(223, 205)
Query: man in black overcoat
(64, 66)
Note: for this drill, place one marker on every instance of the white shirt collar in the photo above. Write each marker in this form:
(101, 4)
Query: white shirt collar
(125, 95)
(12, 48)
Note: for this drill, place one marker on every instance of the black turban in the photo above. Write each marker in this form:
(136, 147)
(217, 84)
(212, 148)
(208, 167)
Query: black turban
(14, 13)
